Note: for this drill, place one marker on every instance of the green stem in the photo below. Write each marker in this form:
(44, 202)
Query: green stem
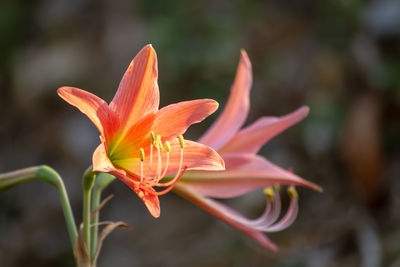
(102, 181)
(87, 184)
(49, 175)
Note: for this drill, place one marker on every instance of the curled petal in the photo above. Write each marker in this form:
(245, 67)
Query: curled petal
(174, 119)
(236, 109)
(138, 93)
(253, 137)
(244, 173)
(146, 194)
(224, 213)
(95, 108)
(286, 221)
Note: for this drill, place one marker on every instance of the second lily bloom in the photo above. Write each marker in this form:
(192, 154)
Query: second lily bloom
(245, 170)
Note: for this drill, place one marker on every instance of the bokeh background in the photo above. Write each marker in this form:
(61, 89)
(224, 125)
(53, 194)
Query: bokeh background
(340, 57)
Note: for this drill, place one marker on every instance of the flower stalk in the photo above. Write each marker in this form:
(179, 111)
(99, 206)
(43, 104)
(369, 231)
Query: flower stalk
(102, 181)
(49, 175)
(87, 183)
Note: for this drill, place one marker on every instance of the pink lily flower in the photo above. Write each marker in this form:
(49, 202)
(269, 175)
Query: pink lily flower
(245, 171)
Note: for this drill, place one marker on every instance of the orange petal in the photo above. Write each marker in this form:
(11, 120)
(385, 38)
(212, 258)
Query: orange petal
(253, 137)
(235, 112)
(174, 119)
(196, 156)
(138, 93)
(95, 108)
(145, 194)
(138, 136)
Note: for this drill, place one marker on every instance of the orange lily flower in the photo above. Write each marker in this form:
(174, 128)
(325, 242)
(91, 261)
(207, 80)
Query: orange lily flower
(139, 143)
(245, 170)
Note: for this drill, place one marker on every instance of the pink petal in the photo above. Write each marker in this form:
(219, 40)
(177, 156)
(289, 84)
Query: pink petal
(252, 173)
(138, 92)
(236, 109)
(224, 213)
(174, 119)
(253, 137)
(95, 108)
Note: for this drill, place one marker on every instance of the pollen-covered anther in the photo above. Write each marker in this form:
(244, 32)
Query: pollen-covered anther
(162, 164)
(181, 141)
(277, 187)
(152, 137)
(269, 193)
(292, 192)
(159, 143)
(167, 146)
(141, 152)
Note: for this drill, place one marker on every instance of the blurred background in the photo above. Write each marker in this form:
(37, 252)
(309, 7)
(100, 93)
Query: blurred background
(340, 57)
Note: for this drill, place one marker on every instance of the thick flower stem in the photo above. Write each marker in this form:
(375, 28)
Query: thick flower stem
(102, 181)
(49, 175)
(87, 183)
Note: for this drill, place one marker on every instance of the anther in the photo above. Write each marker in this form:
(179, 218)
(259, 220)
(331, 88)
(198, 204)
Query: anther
(291, 190)
(159, 143)
(141, 151)
(270, 193)
(152, 137)
(167, 146)
(181, 141)
(277, 187)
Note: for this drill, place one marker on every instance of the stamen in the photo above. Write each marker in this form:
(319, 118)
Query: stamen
(277, 187)
(181, 141)
(290, 215)
(177, 175)
(141, 150)
(167, 146)
(152, 137)
(141, 171)
(292, 192)
(165, 168)
(270, 193)
(159, 143)
(152, 140)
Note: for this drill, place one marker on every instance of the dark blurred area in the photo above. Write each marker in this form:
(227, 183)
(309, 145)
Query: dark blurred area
(340, 57)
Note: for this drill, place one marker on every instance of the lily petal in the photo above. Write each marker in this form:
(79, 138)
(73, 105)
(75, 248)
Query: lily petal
(252, 173)
(196, 156)
(174, 119)
(147, 195)
(101, 162)
(253, 137)
(138, 92)
(224, 213)
(95, 108)
(235, 112)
